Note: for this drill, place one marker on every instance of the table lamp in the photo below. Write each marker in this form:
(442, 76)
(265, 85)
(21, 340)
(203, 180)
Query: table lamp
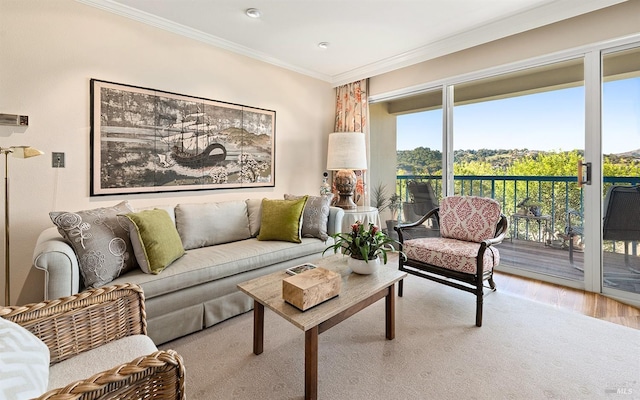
(346, 151)
(17, 152)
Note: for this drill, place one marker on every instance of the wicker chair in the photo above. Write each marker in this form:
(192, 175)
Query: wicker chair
(75, 324)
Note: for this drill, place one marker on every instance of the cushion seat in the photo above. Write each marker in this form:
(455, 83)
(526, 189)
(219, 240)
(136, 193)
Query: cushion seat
(100, 359)
(451, 254)
(211, 263)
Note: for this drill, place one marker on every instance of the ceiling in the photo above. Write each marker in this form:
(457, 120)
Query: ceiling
(366, 37)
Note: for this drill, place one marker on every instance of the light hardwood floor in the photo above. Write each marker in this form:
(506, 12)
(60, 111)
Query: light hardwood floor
(590, 304)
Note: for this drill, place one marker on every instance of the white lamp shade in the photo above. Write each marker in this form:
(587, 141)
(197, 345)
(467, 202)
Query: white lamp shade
(347, 150)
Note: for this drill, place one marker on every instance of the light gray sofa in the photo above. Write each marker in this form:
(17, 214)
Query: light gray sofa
(199, 289)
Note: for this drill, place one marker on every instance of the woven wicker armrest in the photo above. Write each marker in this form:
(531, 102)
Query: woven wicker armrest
(159, 375)
(90, 319)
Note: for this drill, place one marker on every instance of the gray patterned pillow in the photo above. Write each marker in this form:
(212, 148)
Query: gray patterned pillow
(315, 215)
(100, 240)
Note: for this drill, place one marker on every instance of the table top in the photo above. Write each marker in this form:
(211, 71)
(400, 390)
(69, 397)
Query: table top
(267, 290)
(361, 209)
(526, 216)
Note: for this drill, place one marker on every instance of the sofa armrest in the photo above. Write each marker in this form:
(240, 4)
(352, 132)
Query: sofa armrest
(159, 375)
(334, 225)
(85, 321)
(59, 262)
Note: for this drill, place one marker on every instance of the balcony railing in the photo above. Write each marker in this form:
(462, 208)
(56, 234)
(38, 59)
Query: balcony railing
(555, 195)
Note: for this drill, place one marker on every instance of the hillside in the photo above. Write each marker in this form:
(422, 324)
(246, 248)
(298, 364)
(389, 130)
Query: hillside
(424, 161)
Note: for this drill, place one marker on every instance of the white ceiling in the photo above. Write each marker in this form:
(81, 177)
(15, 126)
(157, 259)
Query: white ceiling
(366, 37)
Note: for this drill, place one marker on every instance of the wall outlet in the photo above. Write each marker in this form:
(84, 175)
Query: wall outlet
(57, 160)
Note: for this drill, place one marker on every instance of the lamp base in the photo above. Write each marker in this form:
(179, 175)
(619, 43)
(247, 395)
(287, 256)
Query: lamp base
(345, 183)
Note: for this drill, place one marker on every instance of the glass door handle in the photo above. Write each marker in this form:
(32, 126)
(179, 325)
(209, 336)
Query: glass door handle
(584, 179)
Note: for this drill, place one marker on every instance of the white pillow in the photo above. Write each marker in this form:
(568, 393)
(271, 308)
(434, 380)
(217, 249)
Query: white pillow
(24, 362)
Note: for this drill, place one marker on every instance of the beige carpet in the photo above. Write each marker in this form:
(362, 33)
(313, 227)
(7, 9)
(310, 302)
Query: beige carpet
(524, 350)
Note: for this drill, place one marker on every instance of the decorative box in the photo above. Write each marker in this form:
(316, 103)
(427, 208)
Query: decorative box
(311, 288)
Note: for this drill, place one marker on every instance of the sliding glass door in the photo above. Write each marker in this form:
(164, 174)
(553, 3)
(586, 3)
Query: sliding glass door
(517, 137)
(621, 170)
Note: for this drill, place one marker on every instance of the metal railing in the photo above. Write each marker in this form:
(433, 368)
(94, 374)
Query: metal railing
(556, 196)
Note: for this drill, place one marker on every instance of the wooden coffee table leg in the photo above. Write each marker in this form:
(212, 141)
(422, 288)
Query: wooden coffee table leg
(390, 313)
(311, 363)
(258, 327)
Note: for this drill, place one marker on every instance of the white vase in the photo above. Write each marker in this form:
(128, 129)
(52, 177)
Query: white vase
(363, 267)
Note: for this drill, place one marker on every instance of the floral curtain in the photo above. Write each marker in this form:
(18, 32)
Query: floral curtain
(352, 115)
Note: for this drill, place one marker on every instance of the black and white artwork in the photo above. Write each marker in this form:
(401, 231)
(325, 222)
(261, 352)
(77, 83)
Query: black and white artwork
(147, 141)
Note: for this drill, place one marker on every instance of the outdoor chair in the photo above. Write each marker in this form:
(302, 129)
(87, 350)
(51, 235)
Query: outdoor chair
(464, 255)
(621, 221)
(572, 231)
(423, 199)
(94, 328)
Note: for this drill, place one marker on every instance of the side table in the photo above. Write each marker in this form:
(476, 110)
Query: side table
(364, 214)
(543, 225)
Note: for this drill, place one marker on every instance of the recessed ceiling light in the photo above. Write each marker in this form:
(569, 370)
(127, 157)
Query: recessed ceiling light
(323, 45)
(253, 12)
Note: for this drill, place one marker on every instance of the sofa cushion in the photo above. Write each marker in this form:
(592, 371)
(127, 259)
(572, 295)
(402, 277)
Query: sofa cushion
(207, 264)
(155, 240)
(100, 359)
(315, 216)
(101, 241)
(24, 362)
(282, 219)
(206, 224)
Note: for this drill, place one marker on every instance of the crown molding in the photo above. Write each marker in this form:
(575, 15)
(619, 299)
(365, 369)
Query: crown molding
(536, 17)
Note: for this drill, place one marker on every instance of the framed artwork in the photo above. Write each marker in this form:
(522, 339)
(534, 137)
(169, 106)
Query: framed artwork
(148, 141)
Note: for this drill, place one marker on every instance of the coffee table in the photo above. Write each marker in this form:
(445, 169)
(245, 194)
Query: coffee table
(357, 293)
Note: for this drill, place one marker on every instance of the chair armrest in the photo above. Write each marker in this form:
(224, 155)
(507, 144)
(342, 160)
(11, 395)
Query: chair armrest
(159, 375)
(56, 258)
(400, 228)
(74, 324)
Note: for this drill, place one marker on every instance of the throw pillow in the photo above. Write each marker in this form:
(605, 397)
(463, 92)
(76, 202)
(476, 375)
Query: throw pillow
(25, 362)
(315, 216)
(282, 220)
(155, 239)
(254, 209)
(100, 240)
(208, 224)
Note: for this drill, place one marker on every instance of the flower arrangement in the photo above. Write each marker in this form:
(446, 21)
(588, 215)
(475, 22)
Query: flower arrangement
(363, 243)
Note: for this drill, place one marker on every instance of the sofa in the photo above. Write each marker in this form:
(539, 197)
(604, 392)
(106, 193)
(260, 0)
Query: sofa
(217, 245)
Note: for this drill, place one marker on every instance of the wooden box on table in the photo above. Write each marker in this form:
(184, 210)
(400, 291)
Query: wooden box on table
(311, 288)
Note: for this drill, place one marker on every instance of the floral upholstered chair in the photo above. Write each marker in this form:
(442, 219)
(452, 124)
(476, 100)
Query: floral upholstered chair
(464, 255)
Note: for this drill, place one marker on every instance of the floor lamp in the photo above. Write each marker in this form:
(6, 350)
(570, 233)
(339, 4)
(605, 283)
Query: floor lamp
(17, 152)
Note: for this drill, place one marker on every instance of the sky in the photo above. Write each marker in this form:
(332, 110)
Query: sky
(543, 121)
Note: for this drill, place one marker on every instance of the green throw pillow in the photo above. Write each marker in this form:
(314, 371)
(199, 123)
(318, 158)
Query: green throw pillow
(282, 219)
(155, 240)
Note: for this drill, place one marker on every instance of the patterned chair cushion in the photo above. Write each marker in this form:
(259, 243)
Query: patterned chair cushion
(469, 218)
(451, 254)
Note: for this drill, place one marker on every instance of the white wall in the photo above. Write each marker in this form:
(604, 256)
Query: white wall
(50, 49)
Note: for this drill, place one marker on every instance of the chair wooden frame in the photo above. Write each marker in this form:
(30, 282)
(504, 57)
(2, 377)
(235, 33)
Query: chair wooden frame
(90, 319)
(472, 283)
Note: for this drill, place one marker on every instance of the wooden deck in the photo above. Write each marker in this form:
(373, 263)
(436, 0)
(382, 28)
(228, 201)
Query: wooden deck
(535, 256)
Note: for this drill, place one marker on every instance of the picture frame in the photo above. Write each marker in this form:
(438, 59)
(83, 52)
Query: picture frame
(148, 141)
